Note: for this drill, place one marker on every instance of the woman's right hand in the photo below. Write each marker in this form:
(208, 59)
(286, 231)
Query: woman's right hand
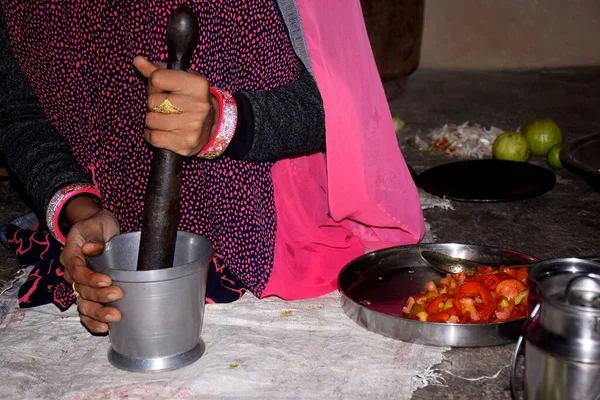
(91, 228)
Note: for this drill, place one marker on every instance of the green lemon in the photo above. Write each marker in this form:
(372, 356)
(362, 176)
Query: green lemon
(553, 157)
(511, 146)
(398, 124)
(542, 135)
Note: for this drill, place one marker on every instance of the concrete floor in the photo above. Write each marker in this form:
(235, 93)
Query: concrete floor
(560, 223)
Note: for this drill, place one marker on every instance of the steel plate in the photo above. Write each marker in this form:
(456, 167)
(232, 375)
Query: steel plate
(375, 287)
(582, 156)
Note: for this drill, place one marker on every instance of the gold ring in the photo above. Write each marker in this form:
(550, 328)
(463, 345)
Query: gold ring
(166, 107)
(75, 292)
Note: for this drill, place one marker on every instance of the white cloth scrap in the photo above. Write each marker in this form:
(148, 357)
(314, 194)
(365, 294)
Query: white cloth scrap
(267, 349)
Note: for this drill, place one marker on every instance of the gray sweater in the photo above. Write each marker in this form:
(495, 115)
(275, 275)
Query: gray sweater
(285, 122)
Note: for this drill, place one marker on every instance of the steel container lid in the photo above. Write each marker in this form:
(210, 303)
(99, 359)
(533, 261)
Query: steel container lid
(558, 266)
(568, 322)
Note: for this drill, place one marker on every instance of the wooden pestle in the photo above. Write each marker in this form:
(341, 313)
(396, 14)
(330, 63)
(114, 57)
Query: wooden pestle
(163, 194)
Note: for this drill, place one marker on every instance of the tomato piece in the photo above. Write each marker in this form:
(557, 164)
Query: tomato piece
(410, 302)
(430, 286)
(486, 311)
(511, 271)
(453, 311)
(510, 288)
(523, 275)
(485, 270)
(503, 314)
(470, 289)
(476, 289)
(460, 277)
(437, 305)
(439, 317)
(467, 306)
(519, 312)
(492, 280)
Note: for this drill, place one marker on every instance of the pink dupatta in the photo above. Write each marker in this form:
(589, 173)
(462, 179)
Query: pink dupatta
(363, 182)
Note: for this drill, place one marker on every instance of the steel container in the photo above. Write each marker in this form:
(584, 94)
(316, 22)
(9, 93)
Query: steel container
(562, 336)
(162, 310)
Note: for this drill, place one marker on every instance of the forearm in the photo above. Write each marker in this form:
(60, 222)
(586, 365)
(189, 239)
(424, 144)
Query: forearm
(285, 122)
(35, 153)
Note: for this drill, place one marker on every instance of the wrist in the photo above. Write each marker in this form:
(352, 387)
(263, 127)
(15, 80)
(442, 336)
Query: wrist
(224, 128)
(79, 208)
(63, 210)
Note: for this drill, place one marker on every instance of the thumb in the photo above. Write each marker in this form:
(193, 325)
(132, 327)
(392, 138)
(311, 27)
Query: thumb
(145, 67)
(93, 247)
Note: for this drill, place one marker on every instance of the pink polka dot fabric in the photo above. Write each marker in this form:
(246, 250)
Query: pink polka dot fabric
(78, 58)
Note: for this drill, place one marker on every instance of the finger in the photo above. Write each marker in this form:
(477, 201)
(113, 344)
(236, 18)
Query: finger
(83, 276)
(185, 103)
(145, 67)
(175, 122)
(102, 295)
(76, 269)
(97, 311)
(93, 325)
(177, 143)
(93, 248)
(181, 82)
(95, 316)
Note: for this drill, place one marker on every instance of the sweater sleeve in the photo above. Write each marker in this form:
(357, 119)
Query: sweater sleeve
(288, 121)
(37, 156)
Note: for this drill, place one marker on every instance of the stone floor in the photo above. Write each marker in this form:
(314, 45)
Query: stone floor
(563, 222)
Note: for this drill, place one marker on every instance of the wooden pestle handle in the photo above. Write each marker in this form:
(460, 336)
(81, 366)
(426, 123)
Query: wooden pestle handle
(163, 194)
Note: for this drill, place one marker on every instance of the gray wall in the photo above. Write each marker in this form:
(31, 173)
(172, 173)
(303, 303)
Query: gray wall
(488, 34)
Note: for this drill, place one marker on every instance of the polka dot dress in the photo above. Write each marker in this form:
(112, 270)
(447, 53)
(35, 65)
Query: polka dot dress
(78, 57)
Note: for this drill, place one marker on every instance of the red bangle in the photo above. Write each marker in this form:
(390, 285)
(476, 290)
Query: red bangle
(57, 202)
(225, 125)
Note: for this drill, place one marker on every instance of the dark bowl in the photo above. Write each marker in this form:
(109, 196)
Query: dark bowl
(582, 156)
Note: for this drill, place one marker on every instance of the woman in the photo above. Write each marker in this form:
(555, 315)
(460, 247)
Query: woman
(282, 227)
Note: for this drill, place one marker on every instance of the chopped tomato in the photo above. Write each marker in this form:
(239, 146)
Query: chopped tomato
(409, 305)
(460, 277)
(430, 286)
(467, 305)
(437, 305)
(486, 311)
(488, 296)
(492, 280)
(522, 275)
(511, 271)
(475, 289)
(484, 270)
(503, 314)
(510, 288)
(453, 311)
(439, 317)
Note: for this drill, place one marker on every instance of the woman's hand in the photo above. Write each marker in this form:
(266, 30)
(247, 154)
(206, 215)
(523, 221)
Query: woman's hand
(185, 133)
(91, 228)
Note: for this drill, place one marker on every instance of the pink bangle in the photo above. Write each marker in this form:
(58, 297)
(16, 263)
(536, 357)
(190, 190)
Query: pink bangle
(57, 202)
(225, 127)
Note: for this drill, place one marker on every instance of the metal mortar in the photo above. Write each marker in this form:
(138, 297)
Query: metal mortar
(162, 310)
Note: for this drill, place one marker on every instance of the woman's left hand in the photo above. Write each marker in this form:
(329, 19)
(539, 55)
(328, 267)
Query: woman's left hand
(185, 133)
